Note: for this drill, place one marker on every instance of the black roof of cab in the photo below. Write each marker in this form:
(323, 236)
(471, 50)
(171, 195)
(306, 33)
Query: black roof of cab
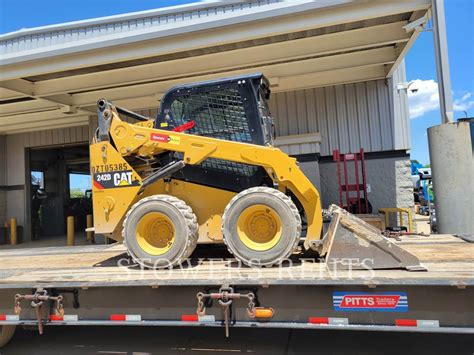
(256, 78)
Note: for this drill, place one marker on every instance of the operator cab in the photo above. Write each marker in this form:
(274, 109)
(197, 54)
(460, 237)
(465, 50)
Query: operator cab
(233, 109)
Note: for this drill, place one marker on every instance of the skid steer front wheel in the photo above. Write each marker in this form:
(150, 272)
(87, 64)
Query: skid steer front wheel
(160, 231)
(261, 226)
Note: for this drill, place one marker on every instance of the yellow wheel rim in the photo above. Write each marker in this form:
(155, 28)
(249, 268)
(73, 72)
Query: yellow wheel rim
(155, 233)
(259, 227)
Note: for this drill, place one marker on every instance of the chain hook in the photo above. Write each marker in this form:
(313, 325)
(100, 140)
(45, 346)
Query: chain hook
(201, 310)
(251, 306)
(59, 306)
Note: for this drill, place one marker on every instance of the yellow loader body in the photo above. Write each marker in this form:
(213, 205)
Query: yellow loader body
(116, 185)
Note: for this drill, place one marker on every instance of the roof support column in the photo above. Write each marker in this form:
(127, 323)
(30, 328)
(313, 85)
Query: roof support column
(452, 164)
(3, 178)
(442, 61)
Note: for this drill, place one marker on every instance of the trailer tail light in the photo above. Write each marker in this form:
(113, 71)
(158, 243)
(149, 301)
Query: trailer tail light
(328, 320)
(318, 320)
(405, 322)
(196, 318)
(9, 317)
(264, 313)
(424, 323)
(126, 317)
(189, 318)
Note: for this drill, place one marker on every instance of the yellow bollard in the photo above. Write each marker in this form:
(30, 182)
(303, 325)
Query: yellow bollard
(89, 224)
(70, 231)
(13, 232)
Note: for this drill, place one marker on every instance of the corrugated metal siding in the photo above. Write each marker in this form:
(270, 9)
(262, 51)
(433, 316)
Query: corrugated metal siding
(348, 116)
(29, 42)
(399, 102)
(299, 144)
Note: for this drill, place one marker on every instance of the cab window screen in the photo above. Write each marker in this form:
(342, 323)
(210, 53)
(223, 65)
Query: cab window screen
(217, 114)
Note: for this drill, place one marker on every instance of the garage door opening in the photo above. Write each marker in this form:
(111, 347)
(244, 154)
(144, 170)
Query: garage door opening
(60, 186)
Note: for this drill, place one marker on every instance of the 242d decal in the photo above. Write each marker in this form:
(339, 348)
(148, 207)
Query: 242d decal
(115, 179)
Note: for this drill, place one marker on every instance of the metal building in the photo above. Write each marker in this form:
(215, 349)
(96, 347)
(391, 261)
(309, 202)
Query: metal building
(333, 66)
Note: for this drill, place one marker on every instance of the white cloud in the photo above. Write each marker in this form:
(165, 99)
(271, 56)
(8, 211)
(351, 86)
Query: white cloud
(426, 99)
(464, 103)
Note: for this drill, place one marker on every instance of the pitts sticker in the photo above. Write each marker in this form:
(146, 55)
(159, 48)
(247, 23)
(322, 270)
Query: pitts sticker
(110, 180)
(370, 302)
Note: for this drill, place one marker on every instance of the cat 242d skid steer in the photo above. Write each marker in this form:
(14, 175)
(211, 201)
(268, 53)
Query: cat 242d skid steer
(205, 171)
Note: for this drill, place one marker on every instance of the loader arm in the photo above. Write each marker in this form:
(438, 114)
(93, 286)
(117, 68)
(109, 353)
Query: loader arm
(118, 139)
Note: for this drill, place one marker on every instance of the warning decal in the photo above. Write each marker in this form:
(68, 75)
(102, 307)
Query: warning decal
(164, 138)
(160, 137)
(370, 302)
(110, 180)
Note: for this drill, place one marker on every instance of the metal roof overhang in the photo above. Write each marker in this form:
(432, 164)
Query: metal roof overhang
(297, 45)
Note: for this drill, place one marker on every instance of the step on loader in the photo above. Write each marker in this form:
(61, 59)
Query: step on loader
(205, 171)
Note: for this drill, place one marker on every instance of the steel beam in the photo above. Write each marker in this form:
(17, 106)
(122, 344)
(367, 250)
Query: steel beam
(305, 81)
(148, 95)
(54, 124)
(35, 118)
(403, 48)
(304, 48)
(27, 89)
(300, 70)
(442, 61)
(308, 67)
(6, 94)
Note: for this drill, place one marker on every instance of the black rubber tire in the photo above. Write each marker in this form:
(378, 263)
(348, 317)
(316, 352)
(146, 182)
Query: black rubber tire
(6, 334)
(288, 214)
(186, 231)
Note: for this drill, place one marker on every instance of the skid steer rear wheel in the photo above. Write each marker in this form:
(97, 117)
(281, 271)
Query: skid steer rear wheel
(160, 231)
(261, 226)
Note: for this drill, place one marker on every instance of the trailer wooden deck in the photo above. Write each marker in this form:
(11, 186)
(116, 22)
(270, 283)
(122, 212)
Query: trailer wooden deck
(450, 261)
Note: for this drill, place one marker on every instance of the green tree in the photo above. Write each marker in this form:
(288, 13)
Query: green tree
(76, 193)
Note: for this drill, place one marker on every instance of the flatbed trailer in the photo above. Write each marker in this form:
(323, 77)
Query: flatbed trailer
(99, 285)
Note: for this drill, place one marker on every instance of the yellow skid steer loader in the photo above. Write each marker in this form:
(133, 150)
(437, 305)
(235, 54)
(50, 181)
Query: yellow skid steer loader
(205, 171)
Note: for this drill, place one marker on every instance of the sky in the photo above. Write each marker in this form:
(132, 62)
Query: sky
(424, 105)
(80, 181)
(421, 66)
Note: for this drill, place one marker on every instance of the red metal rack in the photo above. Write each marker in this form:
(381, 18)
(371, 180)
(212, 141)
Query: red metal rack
(360, 202)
